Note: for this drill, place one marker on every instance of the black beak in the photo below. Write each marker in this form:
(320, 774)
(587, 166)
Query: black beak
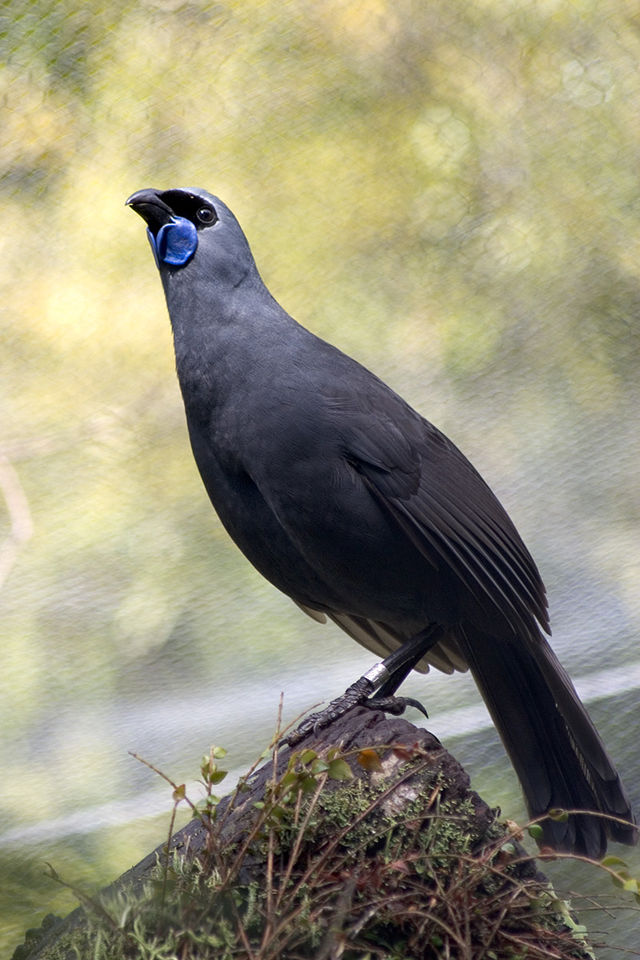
(153, 210)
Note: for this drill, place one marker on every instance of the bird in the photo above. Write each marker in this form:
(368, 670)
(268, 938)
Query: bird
(365, 514)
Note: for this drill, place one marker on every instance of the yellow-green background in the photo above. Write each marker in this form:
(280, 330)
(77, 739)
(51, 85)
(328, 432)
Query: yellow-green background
(447, 190)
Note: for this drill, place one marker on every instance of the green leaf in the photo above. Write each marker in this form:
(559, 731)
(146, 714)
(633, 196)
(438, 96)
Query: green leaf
(509, 848)
(620, 878)
(611, 861)
(308, 784)
(217, 776)
(340, 770)
(289, 780)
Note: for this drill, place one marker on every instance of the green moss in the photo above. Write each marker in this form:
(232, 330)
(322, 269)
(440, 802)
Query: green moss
(395, 867)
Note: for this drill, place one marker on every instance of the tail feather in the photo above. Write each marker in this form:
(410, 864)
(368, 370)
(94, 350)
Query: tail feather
(554, 747)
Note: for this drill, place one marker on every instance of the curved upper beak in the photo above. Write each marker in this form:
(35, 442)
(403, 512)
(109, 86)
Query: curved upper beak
(149, 205)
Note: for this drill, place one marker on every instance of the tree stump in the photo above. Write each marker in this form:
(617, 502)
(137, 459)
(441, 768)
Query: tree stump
(365, 841)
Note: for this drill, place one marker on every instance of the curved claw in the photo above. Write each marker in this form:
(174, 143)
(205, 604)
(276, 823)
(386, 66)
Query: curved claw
(394, 705)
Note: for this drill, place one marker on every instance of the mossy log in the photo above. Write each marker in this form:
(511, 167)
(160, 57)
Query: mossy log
(365, 842)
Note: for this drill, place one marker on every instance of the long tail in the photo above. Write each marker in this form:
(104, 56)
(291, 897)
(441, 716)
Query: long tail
(554, 747)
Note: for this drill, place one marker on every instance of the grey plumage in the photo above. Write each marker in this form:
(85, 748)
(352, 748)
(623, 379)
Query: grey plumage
(362, 511)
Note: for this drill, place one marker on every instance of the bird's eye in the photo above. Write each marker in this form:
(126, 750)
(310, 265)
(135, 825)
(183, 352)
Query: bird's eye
(206, 215)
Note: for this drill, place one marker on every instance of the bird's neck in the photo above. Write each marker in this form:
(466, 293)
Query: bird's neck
(222, 338)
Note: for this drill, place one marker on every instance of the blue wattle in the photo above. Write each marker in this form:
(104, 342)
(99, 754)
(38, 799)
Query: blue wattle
(175, 242)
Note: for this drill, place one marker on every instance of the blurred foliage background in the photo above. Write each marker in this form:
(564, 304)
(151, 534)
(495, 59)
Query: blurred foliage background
(448, 191)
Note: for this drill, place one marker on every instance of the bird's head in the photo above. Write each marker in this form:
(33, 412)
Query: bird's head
(181, 222)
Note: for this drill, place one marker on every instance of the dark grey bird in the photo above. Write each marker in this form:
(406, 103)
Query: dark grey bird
(360, 510)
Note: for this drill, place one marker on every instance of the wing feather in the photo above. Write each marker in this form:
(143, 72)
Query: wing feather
(444, 507)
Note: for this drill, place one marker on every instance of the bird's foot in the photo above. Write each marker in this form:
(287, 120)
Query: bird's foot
(357, 695)
(354, 696)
